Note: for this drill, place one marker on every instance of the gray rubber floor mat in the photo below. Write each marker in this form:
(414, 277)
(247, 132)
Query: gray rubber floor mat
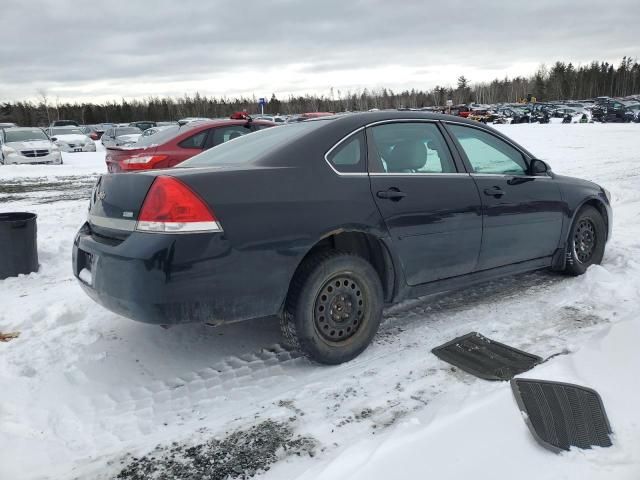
(561, 415)
(485, 358)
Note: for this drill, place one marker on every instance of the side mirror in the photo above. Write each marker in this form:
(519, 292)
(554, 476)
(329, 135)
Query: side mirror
(53, 139)
(538, 167)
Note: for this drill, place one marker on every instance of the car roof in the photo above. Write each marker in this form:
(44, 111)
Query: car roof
(366, 118)
(220, 122)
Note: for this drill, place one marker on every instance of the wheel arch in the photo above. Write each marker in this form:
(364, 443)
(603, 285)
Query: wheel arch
(363, 244)
(599, 205)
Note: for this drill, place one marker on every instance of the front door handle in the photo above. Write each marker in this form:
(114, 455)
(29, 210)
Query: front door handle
(496, 192)
(391, 194)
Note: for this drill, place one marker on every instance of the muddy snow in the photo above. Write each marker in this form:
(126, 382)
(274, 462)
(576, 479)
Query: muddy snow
(87, 394)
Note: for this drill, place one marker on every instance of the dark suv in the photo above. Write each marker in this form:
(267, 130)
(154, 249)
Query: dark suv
(323, 222)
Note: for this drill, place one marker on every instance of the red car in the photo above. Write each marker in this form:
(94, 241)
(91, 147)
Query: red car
(175, 144)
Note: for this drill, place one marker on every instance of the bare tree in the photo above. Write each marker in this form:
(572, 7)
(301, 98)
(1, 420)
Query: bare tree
(42, 93)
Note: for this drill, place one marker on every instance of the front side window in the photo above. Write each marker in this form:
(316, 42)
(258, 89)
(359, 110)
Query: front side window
(409, 147)
(348, 155)
(488, 154)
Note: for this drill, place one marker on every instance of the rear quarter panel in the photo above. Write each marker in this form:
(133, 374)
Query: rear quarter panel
(273, 216)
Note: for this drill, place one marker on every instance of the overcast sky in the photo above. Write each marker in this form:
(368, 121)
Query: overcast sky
(82, 50)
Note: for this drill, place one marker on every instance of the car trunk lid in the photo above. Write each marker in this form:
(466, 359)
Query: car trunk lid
(116, 201)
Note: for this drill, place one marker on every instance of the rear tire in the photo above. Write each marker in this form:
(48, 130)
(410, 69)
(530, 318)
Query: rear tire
(587, 238)
(334, 307)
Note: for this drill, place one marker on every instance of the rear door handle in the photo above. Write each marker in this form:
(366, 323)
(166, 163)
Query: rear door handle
(494, 192)
(391, 194)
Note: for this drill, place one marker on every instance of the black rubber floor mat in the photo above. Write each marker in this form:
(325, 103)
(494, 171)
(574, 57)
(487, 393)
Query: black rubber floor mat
(561, 415)
(485, 358)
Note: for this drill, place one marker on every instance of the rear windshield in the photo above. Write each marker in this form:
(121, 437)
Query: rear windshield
(127, 130)
(249, 148)
(24, 135)
(66, 131)
(160, 136)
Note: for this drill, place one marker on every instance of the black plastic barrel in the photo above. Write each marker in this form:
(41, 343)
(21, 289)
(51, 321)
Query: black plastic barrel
(18, 243)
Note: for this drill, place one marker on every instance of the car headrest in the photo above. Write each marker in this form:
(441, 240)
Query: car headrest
(407, 155)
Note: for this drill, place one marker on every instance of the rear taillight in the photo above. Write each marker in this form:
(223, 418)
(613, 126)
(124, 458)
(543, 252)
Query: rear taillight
(171, 207)
(142, 162)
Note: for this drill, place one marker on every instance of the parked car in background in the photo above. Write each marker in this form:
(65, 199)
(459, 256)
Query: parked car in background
(19, 145)
(174, 145)
(564, 111)
(64, 123)
(4, 125)
(323, 223)
(93, 131)
(610, 110)
(270, 118)
(71, 139)
(143, 125)
(461, 110)
(634, 109)
(514, 114)
(307, 116)
(184, 121)
(120, 136)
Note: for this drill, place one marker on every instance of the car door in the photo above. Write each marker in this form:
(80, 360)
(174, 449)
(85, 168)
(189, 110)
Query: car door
(431, 207)
(522, 213)
(187, 148)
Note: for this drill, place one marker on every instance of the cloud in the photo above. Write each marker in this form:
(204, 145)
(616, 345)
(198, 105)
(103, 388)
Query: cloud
(77, 50)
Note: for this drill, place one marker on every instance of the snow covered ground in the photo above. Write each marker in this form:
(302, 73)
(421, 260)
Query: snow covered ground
(81, 387)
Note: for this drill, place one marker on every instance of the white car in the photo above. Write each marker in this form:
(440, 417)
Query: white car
(27, 145)
(120, 136)
(71, 139)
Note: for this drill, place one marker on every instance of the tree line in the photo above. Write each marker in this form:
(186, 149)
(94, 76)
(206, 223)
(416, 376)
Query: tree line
(561, 81)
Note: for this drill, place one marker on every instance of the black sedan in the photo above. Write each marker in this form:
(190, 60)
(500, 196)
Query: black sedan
(324, 222)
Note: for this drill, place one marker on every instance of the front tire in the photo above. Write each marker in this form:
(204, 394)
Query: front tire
(334, 307)
(586, 242)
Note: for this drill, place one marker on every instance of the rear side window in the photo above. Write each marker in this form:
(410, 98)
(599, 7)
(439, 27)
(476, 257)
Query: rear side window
(224, 134)
(194, 141)
(348, 155)
(489, 154)
(409, 148)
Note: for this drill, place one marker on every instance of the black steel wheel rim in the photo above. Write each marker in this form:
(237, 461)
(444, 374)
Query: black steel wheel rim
(339, 308)
(584, 240)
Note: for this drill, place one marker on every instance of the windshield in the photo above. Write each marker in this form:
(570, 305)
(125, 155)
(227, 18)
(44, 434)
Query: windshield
(24, 135)
(66, 131)
(248, 148)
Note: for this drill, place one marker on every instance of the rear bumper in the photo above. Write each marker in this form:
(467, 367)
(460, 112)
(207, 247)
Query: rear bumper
(89, 147)
(169, 279)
